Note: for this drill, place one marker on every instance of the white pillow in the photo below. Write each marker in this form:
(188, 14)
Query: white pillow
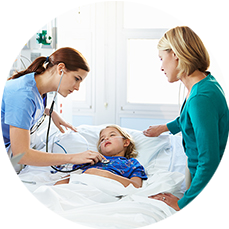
(88, 136)
(148, 147)
(153, 152)
(69, 143)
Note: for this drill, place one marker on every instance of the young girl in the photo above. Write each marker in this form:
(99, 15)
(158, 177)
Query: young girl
(119, 149)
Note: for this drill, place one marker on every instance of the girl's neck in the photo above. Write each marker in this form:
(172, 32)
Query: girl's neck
(115, 154)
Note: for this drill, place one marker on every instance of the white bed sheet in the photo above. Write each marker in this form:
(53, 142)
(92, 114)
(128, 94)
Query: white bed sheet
(103, 203)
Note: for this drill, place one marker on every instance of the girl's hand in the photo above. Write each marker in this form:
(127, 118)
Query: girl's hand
(88, 156)
(58, 121)
(168, 198)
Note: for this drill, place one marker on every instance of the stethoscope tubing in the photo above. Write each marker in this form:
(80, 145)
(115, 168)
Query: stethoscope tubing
(48, 130)
(47, 137)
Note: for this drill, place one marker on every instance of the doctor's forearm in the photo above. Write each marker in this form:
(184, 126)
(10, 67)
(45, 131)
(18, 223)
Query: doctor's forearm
(39, 158)
(20, 143)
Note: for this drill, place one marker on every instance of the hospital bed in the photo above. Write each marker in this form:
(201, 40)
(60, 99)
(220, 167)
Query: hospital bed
(100, 202)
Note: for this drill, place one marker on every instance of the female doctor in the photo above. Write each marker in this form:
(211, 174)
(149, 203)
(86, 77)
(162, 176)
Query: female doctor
(22, 105)
(204, 116)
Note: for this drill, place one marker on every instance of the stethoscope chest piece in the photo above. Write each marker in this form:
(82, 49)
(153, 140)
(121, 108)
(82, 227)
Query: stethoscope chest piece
(105, 161)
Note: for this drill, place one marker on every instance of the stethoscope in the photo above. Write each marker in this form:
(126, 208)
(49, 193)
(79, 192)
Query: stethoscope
(51, 109)
(47, 136)
(104, 161)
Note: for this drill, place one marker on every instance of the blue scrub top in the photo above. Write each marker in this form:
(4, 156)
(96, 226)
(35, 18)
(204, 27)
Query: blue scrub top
(22, 105)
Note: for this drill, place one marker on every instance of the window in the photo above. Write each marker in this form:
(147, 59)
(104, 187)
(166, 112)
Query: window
(218, 51)
(146, 88)
(141, 16)
(75, 30)
(143, 68)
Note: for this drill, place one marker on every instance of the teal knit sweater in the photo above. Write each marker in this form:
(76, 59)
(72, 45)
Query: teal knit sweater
(204, 123)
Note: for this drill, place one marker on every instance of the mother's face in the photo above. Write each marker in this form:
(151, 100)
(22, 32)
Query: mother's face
(169, 65)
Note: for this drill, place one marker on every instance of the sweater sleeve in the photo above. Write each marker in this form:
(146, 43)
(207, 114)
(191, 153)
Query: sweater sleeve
(174, 126)
(204, 119)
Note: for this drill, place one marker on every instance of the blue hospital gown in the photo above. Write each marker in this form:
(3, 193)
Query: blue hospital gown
(121, 166)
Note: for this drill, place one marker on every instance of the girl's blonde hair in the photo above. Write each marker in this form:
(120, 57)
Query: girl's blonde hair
(188, 47)
(131, 148)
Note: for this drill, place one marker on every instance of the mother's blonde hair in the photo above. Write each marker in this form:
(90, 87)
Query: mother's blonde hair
(188, 47)
(130, 149)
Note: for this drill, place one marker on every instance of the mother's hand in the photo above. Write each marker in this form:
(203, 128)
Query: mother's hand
(155, 131)
(168, 198)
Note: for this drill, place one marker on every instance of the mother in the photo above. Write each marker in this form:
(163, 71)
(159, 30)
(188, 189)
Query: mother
(204, 124)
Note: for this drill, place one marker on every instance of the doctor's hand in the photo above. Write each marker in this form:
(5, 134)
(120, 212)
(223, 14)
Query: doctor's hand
(59, 122)
(155, 131)
(88, 156)
(168, 198)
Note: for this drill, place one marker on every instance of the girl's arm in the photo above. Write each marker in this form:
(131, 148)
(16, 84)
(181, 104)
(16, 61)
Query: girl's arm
(20, 143)
(135, 181)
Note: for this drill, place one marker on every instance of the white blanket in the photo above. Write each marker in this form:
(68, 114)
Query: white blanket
(104, 203)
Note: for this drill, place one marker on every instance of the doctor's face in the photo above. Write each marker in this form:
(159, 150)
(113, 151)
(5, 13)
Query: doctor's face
(71, 81)
(169, 65)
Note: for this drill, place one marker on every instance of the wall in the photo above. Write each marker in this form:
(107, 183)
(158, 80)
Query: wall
(101, 32)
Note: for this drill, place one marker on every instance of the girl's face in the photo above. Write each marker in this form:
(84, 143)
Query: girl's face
(71, 81)
(112, 143)
(169, 65)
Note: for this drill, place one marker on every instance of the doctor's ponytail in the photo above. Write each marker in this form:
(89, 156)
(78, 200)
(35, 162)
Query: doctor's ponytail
(72, 59)
(36, 66)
